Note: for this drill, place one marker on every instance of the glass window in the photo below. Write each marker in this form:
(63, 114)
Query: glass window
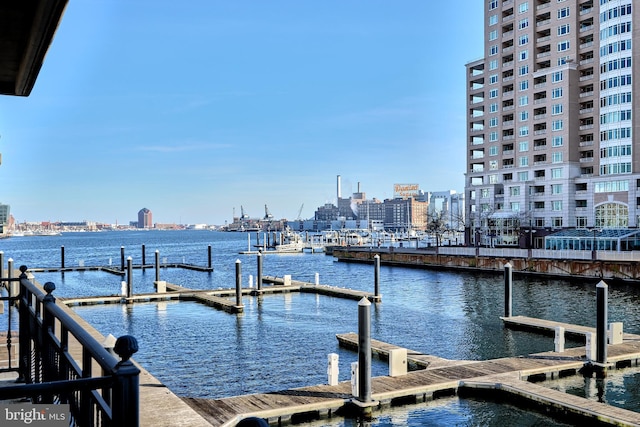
(524, 161)
(514, 191)
(563, 29)
(493, 35)
(493, 150)
(524, 100)
(557, 76)
(515, 207)
(524, 116)
(524, 130)
(493, 64)
(493, 107)
(493, 19)
(556, 157)
(557, 125)
(556, 173)
(523, 40)
(523, 23)
(493, 79)
(493, 93)
(524, 70)
(524, 146)
(556, 109)
(556, 188)
(493, 122)
(564, 45)
(563, 13)
(523, 7)
(493, 50)
(557, 141)
(493, 136)
(556, 205)
(556, 93)
(524, 85)
(523, 55)
(493, 4)
(523, 176)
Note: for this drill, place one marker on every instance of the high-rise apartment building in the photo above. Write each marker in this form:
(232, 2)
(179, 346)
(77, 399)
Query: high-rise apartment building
(553, 142)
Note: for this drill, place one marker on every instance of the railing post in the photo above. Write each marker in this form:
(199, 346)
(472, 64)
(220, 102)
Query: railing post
(49, 370)
(125, 405)
(24, 358)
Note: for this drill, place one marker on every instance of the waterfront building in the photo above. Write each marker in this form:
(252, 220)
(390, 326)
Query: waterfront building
(145, 218)
(5, 215)
(551, 146)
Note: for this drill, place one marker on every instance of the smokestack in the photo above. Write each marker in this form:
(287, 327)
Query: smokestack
(339, 189)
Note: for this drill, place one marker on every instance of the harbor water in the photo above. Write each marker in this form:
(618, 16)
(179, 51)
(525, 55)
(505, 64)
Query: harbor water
(281, 341)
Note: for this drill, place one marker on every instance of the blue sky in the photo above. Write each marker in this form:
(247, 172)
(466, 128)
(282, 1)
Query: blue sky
(194, 108)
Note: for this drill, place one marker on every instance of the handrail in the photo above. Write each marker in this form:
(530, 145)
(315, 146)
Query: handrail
(53, 375)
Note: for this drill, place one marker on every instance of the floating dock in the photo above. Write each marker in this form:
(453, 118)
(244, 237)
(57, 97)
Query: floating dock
(511, 376)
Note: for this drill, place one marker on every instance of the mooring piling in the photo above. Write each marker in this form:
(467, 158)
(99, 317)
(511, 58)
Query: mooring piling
(376, 276)
(601, 324)
(129, 277)
(508, 287)
(62, 256)
(157, 265)
(259, 272)
(364, 350)
(238, 283)
(121, 258)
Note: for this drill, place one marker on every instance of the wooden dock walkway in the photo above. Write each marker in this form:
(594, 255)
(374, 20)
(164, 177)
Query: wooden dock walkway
(548, 327)
(323, 401)
(223, 299)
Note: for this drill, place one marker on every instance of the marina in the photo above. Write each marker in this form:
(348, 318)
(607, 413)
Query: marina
(261, 354)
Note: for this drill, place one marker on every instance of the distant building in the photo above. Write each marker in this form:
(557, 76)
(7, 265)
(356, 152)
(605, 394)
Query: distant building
(145, 218)
(4, 217)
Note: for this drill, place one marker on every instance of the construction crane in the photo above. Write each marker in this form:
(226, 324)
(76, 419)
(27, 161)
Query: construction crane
(299, 213)
(242, 214)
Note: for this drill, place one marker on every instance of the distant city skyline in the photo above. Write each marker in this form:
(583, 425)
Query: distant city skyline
(195, 111)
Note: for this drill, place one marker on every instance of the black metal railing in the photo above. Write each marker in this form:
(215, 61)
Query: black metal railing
(60, 362)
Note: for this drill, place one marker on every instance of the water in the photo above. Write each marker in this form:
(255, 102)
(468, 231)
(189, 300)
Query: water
(282, 341)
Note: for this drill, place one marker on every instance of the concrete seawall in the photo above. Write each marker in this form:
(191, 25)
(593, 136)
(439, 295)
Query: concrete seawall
(609, 270)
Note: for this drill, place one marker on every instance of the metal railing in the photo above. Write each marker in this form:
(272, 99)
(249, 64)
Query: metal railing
(60, 362)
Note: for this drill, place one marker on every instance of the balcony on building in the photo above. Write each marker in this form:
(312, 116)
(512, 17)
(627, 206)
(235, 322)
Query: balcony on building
(586, 140)
(540, 82)
(543, 4)
(586, 107)
(539, 144)
(539, 174)
(540, 159)
(585, 8)
(543, 19)
(586, 172)
(586, 25)
(508, 105)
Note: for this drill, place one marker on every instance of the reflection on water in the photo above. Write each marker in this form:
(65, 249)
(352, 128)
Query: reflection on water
(281, 341)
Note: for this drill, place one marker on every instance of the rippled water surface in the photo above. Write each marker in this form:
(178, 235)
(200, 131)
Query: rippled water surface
(282, 341)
